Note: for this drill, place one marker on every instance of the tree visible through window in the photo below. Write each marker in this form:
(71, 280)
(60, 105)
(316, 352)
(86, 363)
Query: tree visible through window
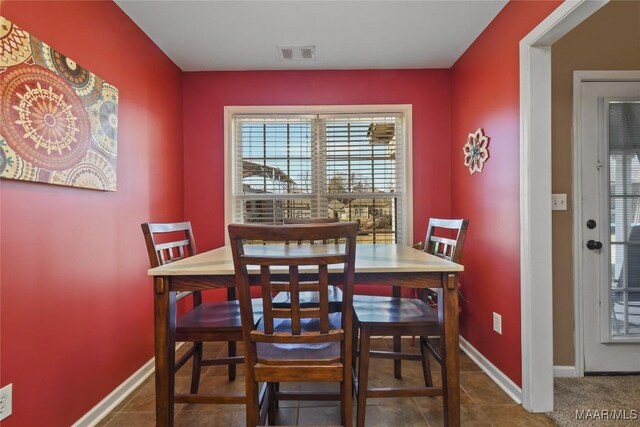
(303, 166)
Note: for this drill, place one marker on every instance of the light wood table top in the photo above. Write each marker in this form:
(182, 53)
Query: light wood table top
(380, 258)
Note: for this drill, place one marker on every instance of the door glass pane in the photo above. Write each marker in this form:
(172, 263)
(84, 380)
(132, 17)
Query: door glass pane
(626, 314)
(625, 215)
(624, 180)
(630, 167)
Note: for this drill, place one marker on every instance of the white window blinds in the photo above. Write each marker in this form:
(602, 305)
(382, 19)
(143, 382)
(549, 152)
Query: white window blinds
(345, 166)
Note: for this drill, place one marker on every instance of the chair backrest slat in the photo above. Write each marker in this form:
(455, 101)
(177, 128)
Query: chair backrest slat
(268, 312)
(294, 274)
(171, 245)
(302, 260)
(323, 290)
(303, 286)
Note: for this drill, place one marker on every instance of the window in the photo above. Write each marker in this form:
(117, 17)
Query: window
(346, 165)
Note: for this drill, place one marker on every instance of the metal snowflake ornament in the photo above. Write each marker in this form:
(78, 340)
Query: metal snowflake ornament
(476, 151)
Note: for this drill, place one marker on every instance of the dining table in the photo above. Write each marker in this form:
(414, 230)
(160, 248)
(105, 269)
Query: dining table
(387, 263)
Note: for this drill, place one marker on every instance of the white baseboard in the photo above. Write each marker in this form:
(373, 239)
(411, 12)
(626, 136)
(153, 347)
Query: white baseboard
(121, 392)
(504, 382)
(107, 404)
(564, 371)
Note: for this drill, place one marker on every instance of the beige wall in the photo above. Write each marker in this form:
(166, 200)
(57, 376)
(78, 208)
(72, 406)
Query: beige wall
(608, 40)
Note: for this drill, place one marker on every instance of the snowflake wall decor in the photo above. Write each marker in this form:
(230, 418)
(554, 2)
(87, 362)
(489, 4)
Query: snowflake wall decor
(476, 151)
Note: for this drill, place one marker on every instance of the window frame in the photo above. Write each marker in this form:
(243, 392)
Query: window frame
(406, 234)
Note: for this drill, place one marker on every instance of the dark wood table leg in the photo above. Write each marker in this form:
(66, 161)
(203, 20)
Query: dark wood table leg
(396, 292)
(448, 316)
(165, 327)
(231, 345)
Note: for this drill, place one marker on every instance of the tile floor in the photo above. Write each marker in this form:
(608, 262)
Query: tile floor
(483, 403)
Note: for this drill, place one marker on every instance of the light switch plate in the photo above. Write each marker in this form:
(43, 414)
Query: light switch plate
(497, 323)
(559, 202)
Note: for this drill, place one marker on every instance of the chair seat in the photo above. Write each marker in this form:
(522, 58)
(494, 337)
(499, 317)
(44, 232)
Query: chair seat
(221, 316)
(302, 351)
(310, 299)
(387, 311)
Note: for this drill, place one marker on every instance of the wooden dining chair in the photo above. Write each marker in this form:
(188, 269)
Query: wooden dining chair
(211, 321)
(295, 343)
(397, 317)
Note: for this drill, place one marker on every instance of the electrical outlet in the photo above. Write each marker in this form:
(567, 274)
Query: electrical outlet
(559, 202)
(5, 401)
(497, 323)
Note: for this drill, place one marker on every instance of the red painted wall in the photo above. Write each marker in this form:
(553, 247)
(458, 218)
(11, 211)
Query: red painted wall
(485, 94)
(76, 304)
(206, 94)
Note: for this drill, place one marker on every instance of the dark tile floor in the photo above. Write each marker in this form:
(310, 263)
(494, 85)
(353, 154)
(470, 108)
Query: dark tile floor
(483, 403)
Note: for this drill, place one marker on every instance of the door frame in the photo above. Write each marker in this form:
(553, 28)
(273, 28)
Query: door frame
(580, 77)
(535, 200)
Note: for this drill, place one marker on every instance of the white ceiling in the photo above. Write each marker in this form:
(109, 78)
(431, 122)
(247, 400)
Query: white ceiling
(356, 34)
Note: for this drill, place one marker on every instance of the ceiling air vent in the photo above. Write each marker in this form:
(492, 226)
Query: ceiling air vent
(286, 53)
(308, 52)
(297, 53)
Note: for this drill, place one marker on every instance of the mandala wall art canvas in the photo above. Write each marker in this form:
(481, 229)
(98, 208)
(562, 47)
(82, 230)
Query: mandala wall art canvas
(58, 120)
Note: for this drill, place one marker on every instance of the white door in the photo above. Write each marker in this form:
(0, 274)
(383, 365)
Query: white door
(610, 182)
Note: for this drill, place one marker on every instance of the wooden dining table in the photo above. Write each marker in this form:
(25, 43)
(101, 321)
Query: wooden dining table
(375, 264)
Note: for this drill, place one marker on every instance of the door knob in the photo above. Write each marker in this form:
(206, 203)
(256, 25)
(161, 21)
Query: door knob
(594, 245)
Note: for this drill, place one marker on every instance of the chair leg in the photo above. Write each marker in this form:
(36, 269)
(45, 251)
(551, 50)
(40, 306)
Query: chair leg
(271, 411)
(346, 394)
(426, 366)
(363, 374)
(195, 371)
(346, 402)
(354, 344)
(232, 353)
(397, 363)
(253, 401)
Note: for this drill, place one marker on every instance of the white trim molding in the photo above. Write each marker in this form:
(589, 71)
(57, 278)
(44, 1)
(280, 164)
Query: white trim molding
(565, 372)
(503, 381)
(535, 200)
(118, 395)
